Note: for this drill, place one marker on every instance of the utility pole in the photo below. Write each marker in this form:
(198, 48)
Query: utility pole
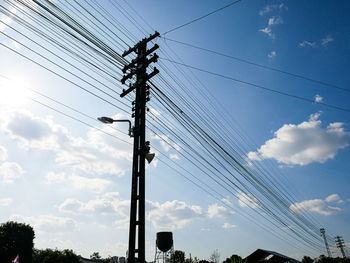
(138, 68)
(323, 234)
(340, 244)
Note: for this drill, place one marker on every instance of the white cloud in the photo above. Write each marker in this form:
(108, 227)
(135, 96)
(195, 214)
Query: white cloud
(10, 171)
(5, 201)
(93, 184)
(270, 8)
(48, 223)
(109, 203)
(3, 153)
(71, 205)
(16, 44)
(59, 243)
(267, 30)
(304, 143)
(98, 154)
(176, 147)
(332, 198)
(318, 98)
(316, 205)
(246, 200)
(7, 20)
(118, 248)
(52, 177)
(307, 44)
(123, 223)
(215, 210)
(174, 156)
(325, 41)
(275, 20)
(272, 54)
(227, 201)
(254, 156)
(173, 215)
(155, 112)
(228, 226)
(169, 215)
(164, 142)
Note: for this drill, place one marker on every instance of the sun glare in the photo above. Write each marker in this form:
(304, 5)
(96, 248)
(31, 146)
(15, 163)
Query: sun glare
(14, 91)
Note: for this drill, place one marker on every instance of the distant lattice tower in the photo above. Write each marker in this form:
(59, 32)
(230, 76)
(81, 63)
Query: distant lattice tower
(340, 244)
(323, 233)
(164, 247)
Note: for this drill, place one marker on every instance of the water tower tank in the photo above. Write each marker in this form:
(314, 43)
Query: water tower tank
(164, 241)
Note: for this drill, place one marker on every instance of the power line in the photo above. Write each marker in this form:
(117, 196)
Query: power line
(203, 16)
(66, 79)
(230, 140)
(203, 137)
(202, 188)
(259, 65)
(258, 86)
(194, 129)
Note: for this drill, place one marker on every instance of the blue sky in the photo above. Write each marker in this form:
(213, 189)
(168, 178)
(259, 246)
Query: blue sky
(72, 182)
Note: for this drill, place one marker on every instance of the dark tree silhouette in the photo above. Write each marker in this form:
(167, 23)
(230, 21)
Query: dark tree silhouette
(233, 259)
(307, 259)
(16, 239)
(55, 256)
(178, 257)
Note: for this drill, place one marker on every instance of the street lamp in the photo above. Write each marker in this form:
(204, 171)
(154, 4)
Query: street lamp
(148, 156)
(108, 120)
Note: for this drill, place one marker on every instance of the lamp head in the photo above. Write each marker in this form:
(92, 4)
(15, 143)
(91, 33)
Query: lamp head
(106, 120)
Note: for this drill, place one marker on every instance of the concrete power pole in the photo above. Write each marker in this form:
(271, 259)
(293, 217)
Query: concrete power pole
(340, 244)
(323, 234)
(138, 68)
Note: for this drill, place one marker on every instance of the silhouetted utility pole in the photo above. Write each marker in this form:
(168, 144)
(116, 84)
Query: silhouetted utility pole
(138, 68)
(323, 233)
(340, 244)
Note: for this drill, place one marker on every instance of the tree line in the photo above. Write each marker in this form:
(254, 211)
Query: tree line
(17, 239)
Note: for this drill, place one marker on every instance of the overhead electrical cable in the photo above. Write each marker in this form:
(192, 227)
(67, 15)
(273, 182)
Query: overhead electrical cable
(235, 177)
(260, 65)
(207, 128)
(258, 86)
(82, 122)
(66, 48)
(54, 63)
(203, 16)
(66, 79)
(240, 135)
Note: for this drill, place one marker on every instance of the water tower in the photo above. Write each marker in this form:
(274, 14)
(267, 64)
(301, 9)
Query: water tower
(164, 247)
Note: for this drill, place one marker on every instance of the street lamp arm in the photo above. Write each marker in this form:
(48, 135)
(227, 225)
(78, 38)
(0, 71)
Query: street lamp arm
(128, 121)
(108, 120)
